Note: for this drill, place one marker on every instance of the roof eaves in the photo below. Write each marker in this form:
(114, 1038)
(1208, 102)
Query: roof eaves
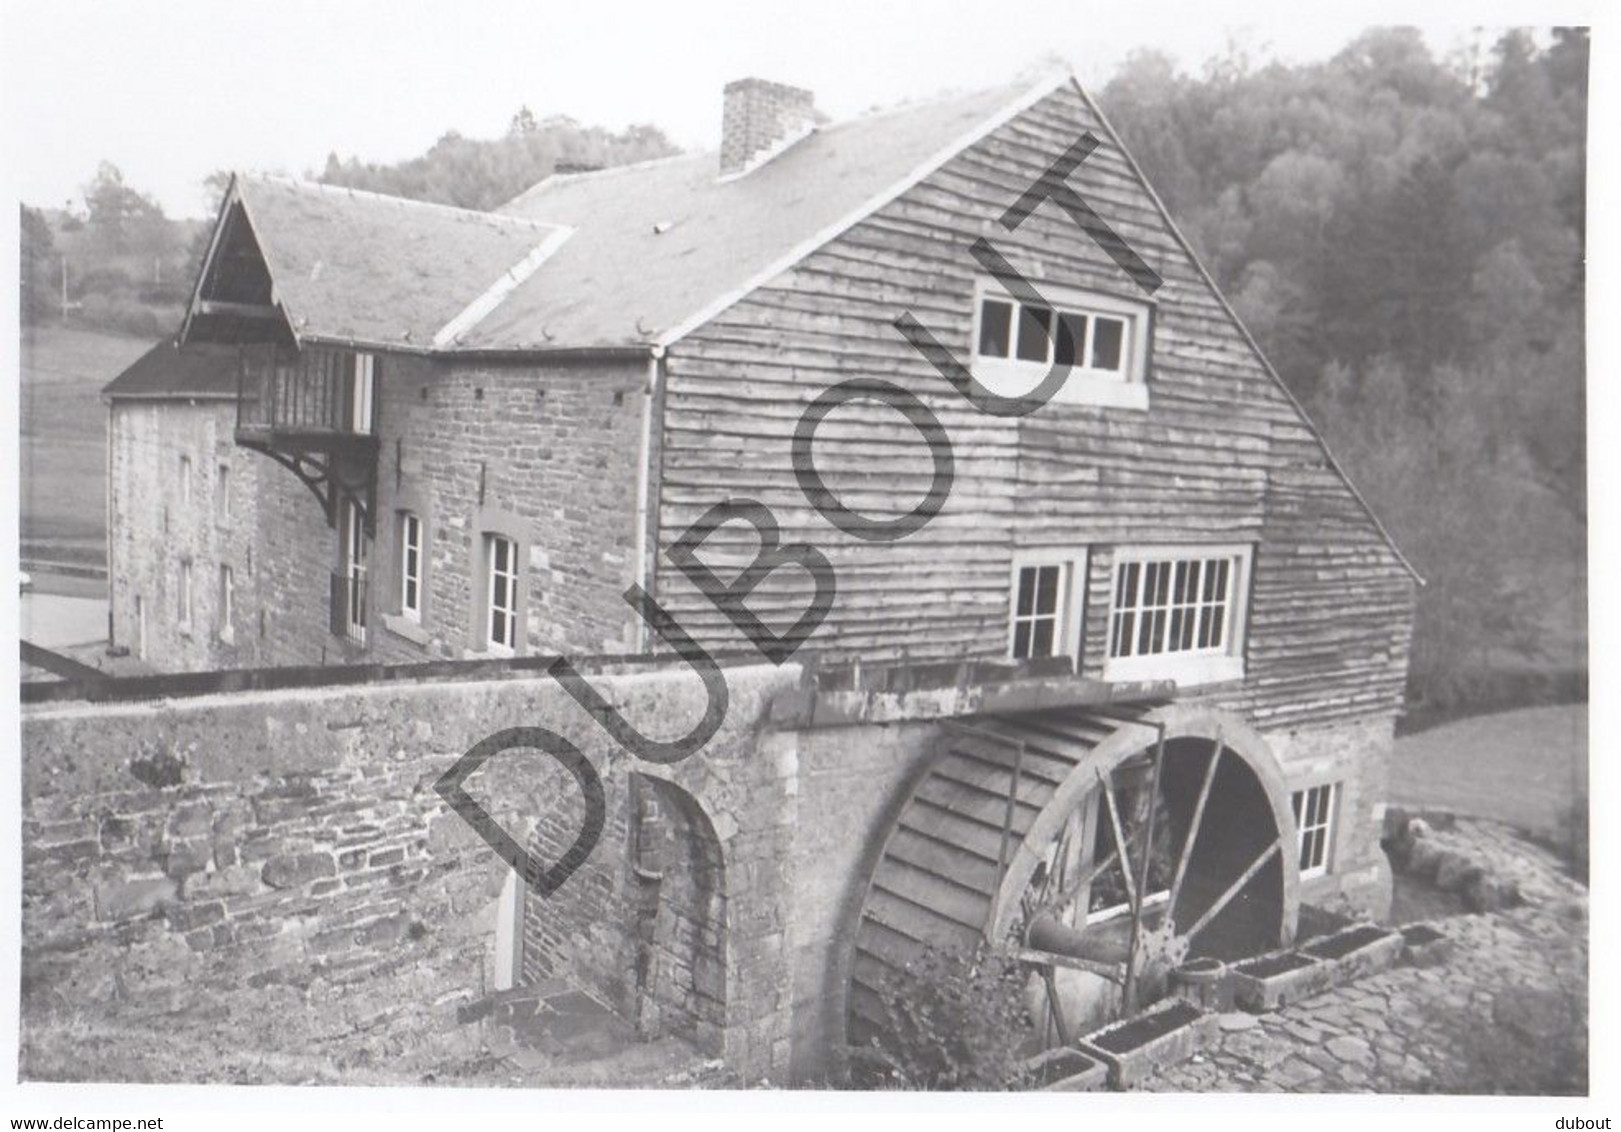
(530, 353)
(111, 394)
(1013, 109)
(1243, 330)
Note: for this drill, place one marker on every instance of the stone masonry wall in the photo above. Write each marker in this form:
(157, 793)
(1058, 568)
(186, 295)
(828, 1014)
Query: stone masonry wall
(545, 455)
(200, 854)
(156, 528)
(218, 848)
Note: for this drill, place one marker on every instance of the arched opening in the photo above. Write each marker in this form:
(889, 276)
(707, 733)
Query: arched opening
(678, 896)
(1099, 849)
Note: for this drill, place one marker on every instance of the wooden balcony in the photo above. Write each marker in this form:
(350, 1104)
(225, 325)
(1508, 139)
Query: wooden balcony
(311, 396)
(314, 411)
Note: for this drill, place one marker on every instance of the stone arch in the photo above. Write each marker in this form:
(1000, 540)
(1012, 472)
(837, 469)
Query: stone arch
(679, 896)
(980, 820)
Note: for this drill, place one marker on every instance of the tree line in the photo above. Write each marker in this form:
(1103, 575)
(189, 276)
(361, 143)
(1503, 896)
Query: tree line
(1404, 235)
(116, 262)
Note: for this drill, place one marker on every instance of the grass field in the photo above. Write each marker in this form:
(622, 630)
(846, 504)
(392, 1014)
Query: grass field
(64, 438)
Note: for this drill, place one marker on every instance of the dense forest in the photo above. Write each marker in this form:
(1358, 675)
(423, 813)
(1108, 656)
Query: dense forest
(1403, 235)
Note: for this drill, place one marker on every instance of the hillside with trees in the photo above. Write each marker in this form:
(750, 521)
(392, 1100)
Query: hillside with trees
(1404, 236)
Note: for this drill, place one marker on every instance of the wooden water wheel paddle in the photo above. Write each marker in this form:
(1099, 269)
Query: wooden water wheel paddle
(1102, 848)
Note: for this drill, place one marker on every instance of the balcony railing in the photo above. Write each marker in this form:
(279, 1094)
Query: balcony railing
(348, 606)
(314, 392)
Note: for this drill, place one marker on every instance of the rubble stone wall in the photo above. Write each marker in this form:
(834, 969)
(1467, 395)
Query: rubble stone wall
(236, 841)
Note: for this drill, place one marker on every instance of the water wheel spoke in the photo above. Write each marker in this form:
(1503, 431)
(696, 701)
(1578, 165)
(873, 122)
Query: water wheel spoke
(1144, 880)
(1086, 876)
(1119, 842)
(1233, 889)
(1194, 826)
(1054, 1007)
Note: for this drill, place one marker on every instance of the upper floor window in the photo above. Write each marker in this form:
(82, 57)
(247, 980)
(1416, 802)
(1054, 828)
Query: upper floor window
(1043, 605)
(501, 556)
(1103, 340)
(185, 479)
(1178, 614)
(1314, 824)
(410, 566)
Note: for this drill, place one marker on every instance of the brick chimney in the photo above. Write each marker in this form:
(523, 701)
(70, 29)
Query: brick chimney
(759, 116)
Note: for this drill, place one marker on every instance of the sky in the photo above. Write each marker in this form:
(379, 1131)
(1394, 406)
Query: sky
(173, 91)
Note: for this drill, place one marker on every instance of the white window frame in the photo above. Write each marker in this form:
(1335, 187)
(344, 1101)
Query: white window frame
(1071, 597)
(184, 597)
(356, 556)
(1299, 803)
(185, 480)
(1216, 663)
(1125, 388)
(409, 577)
(362, 396)
(510, 610)
(227, 603)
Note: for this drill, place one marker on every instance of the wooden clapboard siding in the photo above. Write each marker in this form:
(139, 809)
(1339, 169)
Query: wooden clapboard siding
(1223, 455)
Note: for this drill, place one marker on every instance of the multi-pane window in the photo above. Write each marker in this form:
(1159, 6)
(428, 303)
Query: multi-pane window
(1040, 610)
(184, 602)
(502, 558)
(227, 602)
(1314, 819)
(1179, 607)
(1171, 605)
(1086, 340)
(410, 566)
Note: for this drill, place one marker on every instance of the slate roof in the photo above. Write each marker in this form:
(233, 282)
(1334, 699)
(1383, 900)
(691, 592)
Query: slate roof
(611, 259)
(169, 371)
(659, 242)
(352, 266)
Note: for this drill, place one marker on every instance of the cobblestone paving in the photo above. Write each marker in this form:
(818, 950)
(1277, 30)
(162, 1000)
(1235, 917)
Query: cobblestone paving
(1505, 1013)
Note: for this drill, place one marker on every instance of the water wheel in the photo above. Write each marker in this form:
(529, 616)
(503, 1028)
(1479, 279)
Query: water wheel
(1100, 849)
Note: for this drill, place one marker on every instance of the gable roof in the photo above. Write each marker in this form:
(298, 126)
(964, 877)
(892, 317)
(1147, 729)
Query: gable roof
(358, 267)
(169, 371)
(662, 245)
(634, 256)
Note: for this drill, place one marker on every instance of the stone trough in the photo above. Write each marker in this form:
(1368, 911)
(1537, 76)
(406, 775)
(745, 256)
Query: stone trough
(1135, 1048)
(1066, 1071)
(1356, 951)
(1276, 979)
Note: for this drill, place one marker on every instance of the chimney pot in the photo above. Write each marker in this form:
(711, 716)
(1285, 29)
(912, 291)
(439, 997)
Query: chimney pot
(759, 115)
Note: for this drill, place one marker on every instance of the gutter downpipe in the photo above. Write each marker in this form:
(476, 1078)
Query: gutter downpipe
(644, 487)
